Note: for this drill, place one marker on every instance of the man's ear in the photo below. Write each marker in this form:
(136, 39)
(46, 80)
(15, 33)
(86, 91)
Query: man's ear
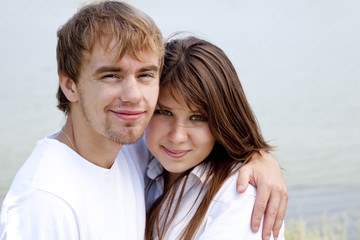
(68, 87)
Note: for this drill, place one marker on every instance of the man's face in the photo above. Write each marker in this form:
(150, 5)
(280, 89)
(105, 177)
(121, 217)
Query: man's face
(117, 98)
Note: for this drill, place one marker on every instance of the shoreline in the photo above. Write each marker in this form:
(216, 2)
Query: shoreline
(314, 202)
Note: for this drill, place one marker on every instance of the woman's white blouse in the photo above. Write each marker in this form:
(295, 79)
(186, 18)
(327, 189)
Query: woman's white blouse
(228, 216)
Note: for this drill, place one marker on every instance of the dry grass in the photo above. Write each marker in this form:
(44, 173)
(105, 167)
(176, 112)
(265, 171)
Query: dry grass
(327, 230)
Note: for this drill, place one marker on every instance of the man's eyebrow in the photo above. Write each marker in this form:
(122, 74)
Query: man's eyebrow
(149, 68)
(104, 69)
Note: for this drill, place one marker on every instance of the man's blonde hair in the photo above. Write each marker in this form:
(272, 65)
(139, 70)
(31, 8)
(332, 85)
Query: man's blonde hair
(132, 30)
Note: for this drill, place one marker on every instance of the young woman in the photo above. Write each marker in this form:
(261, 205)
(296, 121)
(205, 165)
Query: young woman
(202, 131)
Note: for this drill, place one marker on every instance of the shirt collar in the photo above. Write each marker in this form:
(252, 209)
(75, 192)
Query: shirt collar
(154, 169)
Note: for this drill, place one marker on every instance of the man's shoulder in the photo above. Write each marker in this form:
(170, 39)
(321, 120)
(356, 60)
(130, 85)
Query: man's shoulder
(46, 170)
(32, 167)
(45, 149)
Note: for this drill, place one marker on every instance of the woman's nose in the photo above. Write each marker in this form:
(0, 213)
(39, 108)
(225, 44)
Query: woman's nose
(178, 133)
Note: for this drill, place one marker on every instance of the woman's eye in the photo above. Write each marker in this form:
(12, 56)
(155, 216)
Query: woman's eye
(163, 112)
(198, 118)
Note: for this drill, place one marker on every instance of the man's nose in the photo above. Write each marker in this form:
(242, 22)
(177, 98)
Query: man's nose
(130, 90)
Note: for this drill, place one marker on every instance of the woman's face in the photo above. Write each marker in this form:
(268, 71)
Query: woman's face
(177, 136)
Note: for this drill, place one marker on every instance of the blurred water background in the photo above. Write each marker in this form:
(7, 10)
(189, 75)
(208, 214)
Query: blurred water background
(298, 61)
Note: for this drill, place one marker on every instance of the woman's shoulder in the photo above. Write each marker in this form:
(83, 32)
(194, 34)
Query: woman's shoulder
(228, 193)
(229, 214)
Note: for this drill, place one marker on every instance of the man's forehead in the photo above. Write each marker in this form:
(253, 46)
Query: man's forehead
(115, 53)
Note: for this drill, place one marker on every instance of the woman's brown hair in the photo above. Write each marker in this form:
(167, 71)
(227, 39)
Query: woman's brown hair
(205, 77)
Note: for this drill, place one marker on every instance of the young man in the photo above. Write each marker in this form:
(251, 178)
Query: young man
(83, 182)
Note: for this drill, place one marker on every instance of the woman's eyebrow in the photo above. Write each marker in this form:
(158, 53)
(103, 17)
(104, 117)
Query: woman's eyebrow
(160, 105)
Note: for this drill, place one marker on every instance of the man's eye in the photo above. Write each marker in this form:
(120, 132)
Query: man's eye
(110, 76)
(198, 118)
(146, 75)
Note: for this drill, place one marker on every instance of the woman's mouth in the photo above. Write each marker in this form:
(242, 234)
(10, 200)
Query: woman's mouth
(175, 153)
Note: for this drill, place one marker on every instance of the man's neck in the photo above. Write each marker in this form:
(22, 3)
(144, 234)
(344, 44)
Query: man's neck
(90, 145)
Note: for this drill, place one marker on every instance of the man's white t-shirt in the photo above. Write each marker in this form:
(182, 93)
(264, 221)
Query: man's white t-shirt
(57, 194)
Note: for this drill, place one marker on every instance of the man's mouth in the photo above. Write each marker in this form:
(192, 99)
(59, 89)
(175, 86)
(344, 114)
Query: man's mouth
(128, 115)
